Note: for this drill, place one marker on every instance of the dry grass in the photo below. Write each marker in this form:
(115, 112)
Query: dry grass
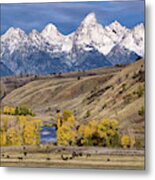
(98, 158)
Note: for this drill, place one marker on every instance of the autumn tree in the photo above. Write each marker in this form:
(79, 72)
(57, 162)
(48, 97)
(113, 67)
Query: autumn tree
(13, 137)
(108, 132)
(125, 141)
(21, 131)
(87, 132)
(31, 133)
(9, 110)
(3, 138)
(5, 121)
(66, 133)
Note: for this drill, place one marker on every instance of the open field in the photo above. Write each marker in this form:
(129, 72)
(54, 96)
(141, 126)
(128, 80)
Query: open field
(92, 157)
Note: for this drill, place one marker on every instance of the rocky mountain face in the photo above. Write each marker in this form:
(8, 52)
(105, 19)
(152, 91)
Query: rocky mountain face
(4, 71)
(90, 46)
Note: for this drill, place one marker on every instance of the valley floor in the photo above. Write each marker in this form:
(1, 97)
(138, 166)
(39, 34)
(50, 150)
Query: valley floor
(62, 157)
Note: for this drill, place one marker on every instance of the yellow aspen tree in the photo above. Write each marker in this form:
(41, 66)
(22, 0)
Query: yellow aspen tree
(5, 121)
(3, 138)
(66, 133)
(108, 131)
(12, 111)
(6, 110)
(125, 141)
(29, 134)
(13, 137)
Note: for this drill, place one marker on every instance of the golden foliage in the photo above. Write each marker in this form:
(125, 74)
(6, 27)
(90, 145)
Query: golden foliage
(22, 131)
(105, 132)
(66, 134)
(3, 140)
(107, 127)
(125, 141)
(128, 141)
(30, 134)
(13, 137)
(9, 110)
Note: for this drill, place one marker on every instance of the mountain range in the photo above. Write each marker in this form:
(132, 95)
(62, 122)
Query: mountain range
(90, 46)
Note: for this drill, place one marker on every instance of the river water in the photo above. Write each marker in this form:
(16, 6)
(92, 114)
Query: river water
(48, 135)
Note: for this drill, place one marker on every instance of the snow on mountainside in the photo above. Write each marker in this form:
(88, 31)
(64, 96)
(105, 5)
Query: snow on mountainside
(116, 31)
(121, 55)
(91, 34)
(134, 40)
(90, 46)
(12, 39)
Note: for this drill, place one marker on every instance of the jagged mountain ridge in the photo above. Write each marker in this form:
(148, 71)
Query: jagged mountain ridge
(90, 46)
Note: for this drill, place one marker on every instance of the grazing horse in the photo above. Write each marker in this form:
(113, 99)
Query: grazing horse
(20, 158)
(88, 155)
(108, 159)
(64, 158)
(74, 154)
(80, 154)
(25, 153)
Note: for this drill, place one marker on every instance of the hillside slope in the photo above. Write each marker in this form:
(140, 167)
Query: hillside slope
(108, 93)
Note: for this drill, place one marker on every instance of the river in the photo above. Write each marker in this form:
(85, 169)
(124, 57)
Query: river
(48, 135)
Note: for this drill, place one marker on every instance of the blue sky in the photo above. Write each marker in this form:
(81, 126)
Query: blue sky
(67, 16)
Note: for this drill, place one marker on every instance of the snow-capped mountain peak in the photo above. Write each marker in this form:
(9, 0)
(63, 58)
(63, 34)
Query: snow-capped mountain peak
(12, 32)
(117, 28)
(90, 46)
(139, 28)
(91, 35)
(134, 40)
(89, 19)
(34, 34)
(36, 39)
(12, 39)
(49, 29)
(52, 35)
(115, 25)
(116, 31)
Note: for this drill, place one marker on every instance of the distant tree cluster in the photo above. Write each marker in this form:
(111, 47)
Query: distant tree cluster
(25, 130)
(23, 110)
(103, 133)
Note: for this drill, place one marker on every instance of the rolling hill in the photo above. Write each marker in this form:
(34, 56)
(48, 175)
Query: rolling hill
(112, 92)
